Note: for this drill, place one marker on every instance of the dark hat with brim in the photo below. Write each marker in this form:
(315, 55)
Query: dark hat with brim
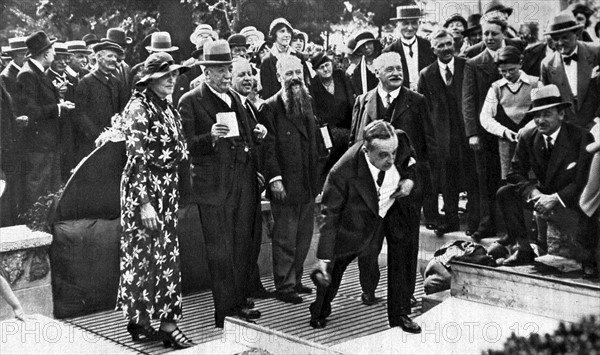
(277, 24)
(90, 39)
(473, 24)
(546, 97)
(237, 40)
(107, 45)
(318, 59)
(16, 44)
(363, 38)
(500, 8)
(456, 18)
(410, 12)
(582, 9)
(158, 64)
(216, 53)
(563, 22)
(38, 43)
(161, 42)
(117, 35)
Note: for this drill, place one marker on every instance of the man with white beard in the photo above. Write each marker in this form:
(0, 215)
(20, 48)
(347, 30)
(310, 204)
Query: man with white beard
(292, 175)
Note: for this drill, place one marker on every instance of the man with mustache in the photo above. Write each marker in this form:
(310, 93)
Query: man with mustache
(408, 111)
(292, 175)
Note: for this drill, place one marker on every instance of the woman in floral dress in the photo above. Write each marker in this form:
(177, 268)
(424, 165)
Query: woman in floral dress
(150, 283)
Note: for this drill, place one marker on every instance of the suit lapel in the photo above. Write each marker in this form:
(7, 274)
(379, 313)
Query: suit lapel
(584, 73)
(539, 150)
(560, 146)
(364, 183)
(212, 107)
(402, 104)
(43, 77)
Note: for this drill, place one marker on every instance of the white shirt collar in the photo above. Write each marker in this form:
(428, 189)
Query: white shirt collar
(450, 65)
(277, 53)
(570, 54)
(12, 62)
(524, 78)
(222, 96)
(409, 41)
(383, 94)
(242, 97)
(37, 64)
(553, 135)
(493, 53)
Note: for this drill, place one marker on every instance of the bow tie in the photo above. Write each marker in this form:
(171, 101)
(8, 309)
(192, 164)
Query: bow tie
(569, 58)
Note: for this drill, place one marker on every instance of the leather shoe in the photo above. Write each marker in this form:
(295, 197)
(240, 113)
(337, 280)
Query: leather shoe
(248, 313)
(289, 297)
(368, 298)
(520, 257)
(480, 234)
(446, 228)
(303, 289)
(408, 325)
(318, 323)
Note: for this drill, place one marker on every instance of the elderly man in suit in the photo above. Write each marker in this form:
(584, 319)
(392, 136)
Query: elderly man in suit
(98, 96)
(408, 111)
(224, 179)
(574, 69)
(292, 176)
(367, 196)
(555, 151)
(441, 84)
(480, 72)
(414, 51)
(39, 99)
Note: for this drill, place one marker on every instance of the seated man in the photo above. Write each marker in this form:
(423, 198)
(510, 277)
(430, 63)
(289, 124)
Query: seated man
(367, 196)
(555, 151)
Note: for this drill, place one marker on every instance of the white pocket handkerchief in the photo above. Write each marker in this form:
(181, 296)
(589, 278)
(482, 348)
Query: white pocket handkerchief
(571, 166)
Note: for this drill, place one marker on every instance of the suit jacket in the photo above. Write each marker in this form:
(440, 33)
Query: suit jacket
(9, 76)
(268, 75)
(533, 57)
(426, 56)
(564, 173)
(476, 49)
(294, 143)
(410, 114)
(480, 72)
(445, 105)
(38, 99)
(588, 90)
(182, 85)
(212, 166)
(350, 207)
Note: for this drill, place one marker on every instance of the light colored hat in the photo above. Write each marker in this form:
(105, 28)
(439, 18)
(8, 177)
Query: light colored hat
(61, 48)
(546, 97)
(158, 64)
(407, 12)
(78, 47)
(278, 22)
(216, 53)
(161, 42)
(564, 21)
(250, 31)
(201, 33)
(16, 44)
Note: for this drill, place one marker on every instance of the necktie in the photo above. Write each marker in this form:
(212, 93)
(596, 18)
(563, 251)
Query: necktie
(410, 51)
(448, 76)
(569, 58)
(380, 177)
(549, 147)
(388, 100)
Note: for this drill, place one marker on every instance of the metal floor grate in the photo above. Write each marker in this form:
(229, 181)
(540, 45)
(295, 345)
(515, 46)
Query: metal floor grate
(350, 318)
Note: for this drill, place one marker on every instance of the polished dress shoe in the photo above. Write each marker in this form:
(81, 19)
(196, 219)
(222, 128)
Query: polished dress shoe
(289, 297)
(520, 257)
(147, 331)
(446, 228)
(248, 313)
(303, 289)
(407, 325)
(368, 298)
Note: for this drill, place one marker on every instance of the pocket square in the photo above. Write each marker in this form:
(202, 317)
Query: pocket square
(571, 166)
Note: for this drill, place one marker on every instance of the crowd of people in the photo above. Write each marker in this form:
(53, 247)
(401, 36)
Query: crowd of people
(474, 106)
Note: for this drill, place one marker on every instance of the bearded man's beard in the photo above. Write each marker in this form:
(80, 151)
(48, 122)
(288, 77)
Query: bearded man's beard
(296, 102)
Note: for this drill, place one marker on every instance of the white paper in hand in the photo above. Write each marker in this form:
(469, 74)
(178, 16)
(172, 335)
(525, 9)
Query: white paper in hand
(229, 119)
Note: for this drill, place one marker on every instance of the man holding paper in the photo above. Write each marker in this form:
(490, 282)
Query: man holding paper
(225, 181)
(292, 175)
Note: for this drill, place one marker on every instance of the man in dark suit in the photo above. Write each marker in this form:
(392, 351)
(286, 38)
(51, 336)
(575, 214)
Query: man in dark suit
(441, 84)
(78, 61)
(480, 73)
(39, 99)
(414, 51)
(292, 175)
(405, 110)
(98, 96)
(17, 50)
(367, 196)
(556, 152)
(224, 179)
(574, 69)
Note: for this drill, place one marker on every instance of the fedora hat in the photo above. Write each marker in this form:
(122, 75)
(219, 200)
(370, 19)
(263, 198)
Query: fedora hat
(90, 39)
(546, 97)
(16, 44)
(117, 35)
(363, 38)
(250, 31)
(158, 64)
(161, 42)
(500, 8)
(456, 18)
(407, 12)
(278, 23)
(78, 47)
(473, 23)
(237, 40)
(107, 45)
(201, 34)
(38, 42)
(564, 21)
(216, 53)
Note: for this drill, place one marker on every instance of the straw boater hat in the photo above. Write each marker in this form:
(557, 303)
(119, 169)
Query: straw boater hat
(201, 34)
(216, 53)
(117, 35)
(161, 42)
(250, 31)
(78, 47)
(38, 42)
(407, 12)
(158, 64)
(364, 38)
(61, 48)
(546, 97)
(16, 44)
(563, 22)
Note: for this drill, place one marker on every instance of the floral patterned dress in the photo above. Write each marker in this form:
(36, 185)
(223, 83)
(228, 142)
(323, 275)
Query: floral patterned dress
(150, 283)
